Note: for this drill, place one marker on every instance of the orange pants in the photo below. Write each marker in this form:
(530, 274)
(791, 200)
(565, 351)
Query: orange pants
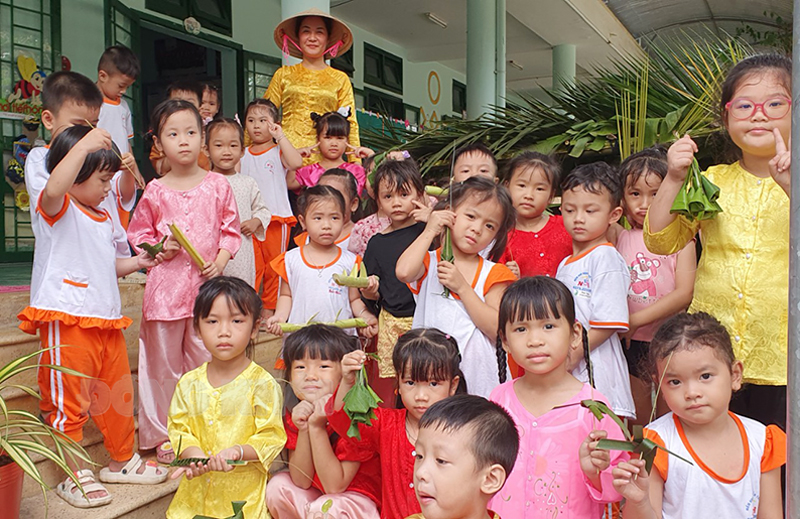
(276, 240)
(68, 400)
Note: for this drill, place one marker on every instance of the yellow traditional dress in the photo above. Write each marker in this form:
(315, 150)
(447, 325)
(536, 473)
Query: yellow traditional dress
(742, 277)
(245, 411)
(298, 91)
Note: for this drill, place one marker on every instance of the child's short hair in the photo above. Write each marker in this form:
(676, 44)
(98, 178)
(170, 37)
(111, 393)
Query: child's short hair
(485, 189)
(495, 439)
(238, 294)
(317, 341)
(475, 147)
(598, 178)
(428, 354)
(346, 177)
(185, 85)
(530, 160)
(64, 86)
(401, 175)
(119, 59)
(686, 331)
(332, 124)
(649, 160)
(268, 105)
(100, 160)
(165, 109)
(317, 194)
(221, 122)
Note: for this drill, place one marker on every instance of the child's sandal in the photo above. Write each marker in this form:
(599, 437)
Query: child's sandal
(129, 475)
(69, 491)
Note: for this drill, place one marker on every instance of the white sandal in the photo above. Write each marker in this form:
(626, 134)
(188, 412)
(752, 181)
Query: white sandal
(66, 491)
(152, 475)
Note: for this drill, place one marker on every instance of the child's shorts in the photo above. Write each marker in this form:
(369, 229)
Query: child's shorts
(390, 328)
(636, 355)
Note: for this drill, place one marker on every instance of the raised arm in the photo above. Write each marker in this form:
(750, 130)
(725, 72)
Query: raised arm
(679, 158)
(410, 266)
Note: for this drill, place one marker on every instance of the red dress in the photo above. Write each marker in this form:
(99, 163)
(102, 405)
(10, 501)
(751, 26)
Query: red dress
(367, 480)
(539, 253)
(387, 438)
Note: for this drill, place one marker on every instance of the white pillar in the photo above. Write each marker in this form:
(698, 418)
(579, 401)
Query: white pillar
(564, 66)
(481, 56)
(500, 53)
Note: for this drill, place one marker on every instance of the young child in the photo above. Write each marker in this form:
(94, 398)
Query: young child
(537, 327)
(332, 130)
(322, 464)
(69, 98)
(398, 184)
(465, 450)
(736, 461)
(539, 241)
(209, 103)
(474, 160)
(227, 409)
(345, 183)
(748, 243)
(269, 160)
(225, 148)
(660, 285)
(181, 90)
(117, 70)
(308, 290)
(426, 362)
(598, 278)
(202, 205)
(75, 300)
(481, 211)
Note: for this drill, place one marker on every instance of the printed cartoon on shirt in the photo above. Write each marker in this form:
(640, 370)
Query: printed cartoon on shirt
(644, 272)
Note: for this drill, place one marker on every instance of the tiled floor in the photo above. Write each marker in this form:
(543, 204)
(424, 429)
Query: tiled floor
(15, 274)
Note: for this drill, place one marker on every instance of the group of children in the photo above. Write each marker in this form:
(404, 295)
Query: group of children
(483, 293)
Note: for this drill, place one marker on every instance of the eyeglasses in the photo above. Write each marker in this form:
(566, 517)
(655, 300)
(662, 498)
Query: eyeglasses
(743, 108)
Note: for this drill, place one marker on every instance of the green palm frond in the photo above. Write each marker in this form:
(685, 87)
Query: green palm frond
(647, 99)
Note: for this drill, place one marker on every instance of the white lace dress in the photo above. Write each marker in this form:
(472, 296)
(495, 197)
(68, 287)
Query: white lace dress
(250, 205)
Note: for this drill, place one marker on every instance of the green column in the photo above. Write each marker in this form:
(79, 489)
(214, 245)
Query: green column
(563, 66)
(481, 30)
(500, 53)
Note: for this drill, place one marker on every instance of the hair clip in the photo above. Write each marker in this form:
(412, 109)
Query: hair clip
(447, 336)
(344, 111)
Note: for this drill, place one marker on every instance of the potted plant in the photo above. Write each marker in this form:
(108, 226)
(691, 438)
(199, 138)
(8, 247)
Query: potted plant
(22, 434)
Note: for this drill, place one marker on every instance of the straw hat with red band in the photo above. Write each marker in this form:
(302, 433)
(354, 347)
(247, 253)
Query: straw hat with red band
(340, 38)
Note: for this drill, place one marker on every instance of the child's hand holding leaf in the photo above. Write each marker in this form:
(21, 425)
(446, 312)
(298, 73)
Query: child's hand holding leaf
(351, 364)
(680, 156)
(594, 460)
(170, 248)
(632, 481)
(780, 165)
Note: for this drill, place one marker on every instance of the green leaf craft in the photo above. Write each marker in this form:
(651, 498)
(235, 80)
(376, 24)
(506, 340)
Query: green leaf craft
(355, 322)
(697, 198)
(636, 442)
(238, 512)
(152, 250)
(185, 462)
(447, 254)
(357, 278)
(360, 403)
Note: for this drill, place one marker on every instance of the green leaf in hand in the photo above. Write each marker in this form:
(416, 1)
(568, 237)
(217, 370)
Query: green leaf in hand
(153, 250)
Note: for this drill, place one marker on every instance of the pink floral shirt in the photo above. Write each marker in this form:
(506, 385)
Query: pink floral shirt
(309, 175)
(365, 229)
(208, 217)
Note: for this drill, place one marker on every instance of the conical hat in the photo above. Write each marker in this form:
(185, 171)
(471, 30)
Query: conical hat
(339, 32)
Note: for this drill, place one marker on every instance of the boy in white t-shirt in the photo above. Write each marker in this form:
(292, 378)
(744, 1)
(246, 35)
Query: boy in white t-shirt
(117, 70)
(598, 278)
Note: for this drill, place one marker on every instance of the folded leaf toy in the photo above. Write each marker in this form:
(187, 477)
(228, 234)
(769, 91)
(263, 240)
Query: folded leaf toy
(152, 250)
(360, 403)
(181, 238)
(238, 511)
(185, 462)
(447, 254)
(697, 198)
(355, 322)
(358, 277)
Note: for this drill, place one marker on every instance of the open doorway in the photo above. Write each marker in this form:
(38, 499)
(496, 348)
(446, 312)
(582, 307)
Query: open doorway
(166, 58)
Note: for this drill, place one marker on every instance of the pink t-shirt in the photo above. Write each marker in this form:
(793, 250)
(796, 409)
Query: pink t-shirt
(309, 175)
(208, 216)
(547, 480)
(652, 277)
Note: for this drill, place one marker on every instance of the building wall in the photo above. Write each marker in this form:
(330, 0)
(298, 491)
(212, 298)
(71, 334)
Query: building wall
(253, 23)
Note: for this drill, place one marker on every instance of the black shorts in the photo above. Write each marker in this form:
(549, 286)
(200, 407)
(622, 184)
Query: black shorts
(636, 355)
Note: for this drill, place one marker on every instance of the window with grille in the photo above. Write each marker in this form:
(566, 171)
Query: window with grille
(258, 72)
(27, 28)
(382, 69)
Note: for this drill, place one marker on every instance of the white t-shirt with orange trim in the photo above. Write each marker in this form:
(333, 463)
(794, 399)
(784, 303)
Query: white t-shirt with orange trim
(696, 491)
(478, 353)
(115, 118)
(599, 279)
(314, 292)
(36, 176)
(266, 167)
(74, 266)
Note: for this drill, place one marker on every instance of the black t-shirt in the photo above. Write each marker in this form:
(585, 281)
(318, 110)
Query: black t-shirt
(383, 251)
